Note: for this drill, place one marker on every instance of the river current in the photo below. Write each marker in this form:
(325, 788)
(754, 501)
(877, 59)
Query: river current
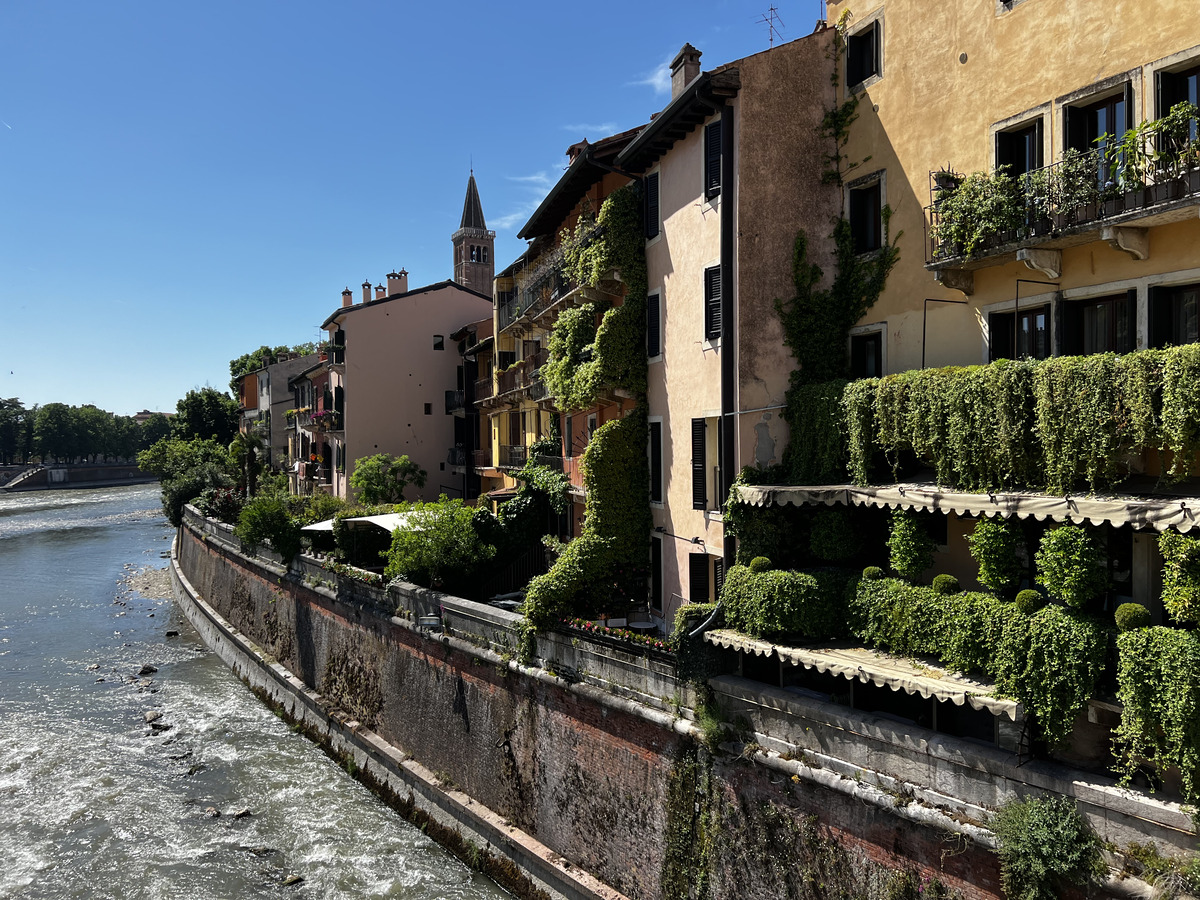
(216, 798)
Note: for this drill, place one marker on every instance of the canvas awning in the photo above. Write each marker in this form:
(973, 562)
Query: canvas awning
(327, 525)
(1161, 513)
(389, 522)
(881, 669)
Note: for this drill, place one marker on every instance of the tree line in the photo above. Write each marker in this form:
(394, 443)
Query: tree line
(58, 433)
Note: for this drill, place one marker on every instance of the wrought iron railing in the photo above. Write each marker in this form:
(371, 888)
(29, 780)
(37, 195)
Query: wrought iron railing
(484, 389)
(482, 458)
(456, 456)
(513, 456)
(543, 284)
(455, 401)
(1082, 189)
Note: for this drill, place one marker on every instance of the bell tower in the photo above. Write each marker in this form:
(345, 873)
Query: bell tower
(474, 245)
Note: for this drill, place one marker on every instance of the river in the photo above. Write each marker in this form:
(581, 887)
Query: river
(216, 798)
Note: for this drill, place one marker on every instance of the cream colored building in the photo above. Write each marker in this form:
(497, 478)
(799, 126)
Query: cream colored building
(731, 170)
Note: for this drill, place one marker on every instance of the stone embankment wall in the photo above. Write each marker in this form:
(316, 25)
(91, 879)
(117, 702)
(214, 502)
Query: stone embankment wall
(589, 761)
(62, 476)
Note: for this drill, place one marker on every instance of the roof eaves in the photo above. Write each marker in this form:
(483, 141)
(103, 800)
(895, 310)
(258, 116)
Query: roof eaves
(341, 311)
(680, 117)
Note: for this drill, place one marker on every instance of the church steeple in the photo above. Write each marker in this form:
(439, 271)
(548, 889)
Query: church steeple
(474, 245)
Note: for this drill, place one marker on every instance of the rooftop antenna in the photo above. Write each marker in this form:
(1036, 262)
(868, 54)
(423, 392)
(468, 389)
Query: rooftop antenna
(769, 18)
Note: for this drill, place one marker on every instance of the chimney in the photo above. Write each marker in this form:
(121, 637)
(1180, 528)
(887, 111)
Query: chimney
(347, 298)
(397, 282)
(380, 292)
(366, 292)
(684, 69)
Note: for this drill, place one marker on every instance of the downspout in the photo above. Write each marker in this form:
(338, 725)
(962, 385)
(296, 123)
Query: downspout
(728, 333)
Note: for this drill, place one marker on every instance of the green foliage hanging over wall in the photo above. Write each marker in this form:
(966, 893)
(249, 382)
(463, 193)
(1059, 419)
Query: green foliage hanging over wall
(583, 356)
(606, 565)
(1158, 684)
(816, 453)
(774, 603)
(910, 549)
(1057, 424)
(1181, 575)
(1049, 661)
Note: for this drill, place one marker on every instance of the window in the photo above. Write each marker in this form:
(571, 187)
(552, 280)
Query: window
(1173, 315)
(652, 212)
(866, 216)
(866, 355)
(1020, 149)
(712, 160)
(656, 463)
(429, 409)
(653, 326)
(439, 342)
(1099, 325)
(863, 54)
(1024, 334)
(1085, 125)
(656, 572)
(1178, 87)
(712, 303)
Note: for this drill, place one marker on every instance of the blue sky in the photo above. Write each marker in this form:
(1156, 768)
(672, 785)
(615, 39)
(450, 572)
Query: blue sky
(182, 182)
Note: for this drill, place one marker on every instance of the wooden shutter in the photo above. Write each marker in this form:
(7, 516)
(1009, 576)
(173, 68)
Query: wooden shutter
(718, 577)
(656, 462)
(652, 211)
(568, 448)
(1075, 128)
(712, 303)
(699, 452)
(698, 577)
(653, 326)
(712, 160)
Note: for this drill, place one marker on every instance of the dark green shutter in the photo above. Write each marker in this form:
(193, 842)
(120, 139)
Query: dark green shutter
(1130, 343)
(699, 495)
(698, 577)
(1159, 318)
(656, 573)
(653, 326)
(656, 462)
(712, 303)
(652, 205)
(712, 160)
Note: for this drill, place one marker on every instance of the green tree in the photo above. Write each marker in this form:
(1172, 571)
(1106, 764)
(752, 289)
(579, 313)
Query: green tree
(438, 545)
(94, 429)
(54, 432)
(185, 469)
(247, 448)
(206, 413)
(12, 414)
(382, 478)
(155, 428)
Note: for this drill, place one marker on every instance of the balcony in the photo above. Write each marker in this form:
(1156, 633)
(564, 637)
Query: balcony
(484, 389)
(456, 403)
(513, 456)
(985, 220)
(456, 458)
(523, 379)
(325, 421)
(545, 288)
(482, 458)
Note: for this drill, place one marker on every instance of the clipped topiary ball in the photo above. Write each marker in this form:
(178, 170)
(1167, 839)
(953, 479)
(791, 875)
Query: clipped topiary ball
(873, 573)
(946, 584)
(1132, 615)
(760, 564)
(1030, 601)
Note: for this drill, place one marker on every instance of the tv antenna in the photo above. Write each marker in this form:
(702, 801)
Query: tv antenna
(770, 18)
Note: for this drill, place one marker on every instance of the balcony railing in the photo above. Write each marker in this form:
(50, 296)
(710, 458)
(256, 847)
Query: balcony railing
(456, 402)
(484, 389)
(456, 456)
(482, 458)
(513, 456)
(982, 215)
(543, 284)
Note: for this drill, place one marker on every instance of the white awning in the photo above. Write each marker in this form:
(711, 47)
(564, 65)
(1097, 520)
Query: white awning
(882, 669)
(389, 522)
(1179, 513)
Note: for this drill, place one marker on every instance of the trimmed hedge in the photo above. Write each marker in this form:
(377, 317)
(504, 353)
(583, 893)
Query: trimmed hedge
(1049, 661)
(774, 602)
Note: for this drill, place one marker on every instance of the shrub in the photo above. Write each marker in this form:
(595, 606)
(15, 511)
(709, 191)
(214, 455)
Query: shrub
(1030, 601)
(775, 602)
(221, 503)
(267, 518)
(1070, 566)
(1181, 575)
(945, 584)
(873, 573)
(833, 537)
(1131, 615)
(910, 548)
(1158, 684)
(1045, 845)
(437, 547)
(994, 545)
(382, 478)
(760, 564)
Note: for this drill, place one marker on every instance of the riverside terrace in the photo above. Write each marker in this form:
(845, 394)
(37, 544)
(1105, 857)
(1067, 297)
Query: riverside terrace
(840, 740)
